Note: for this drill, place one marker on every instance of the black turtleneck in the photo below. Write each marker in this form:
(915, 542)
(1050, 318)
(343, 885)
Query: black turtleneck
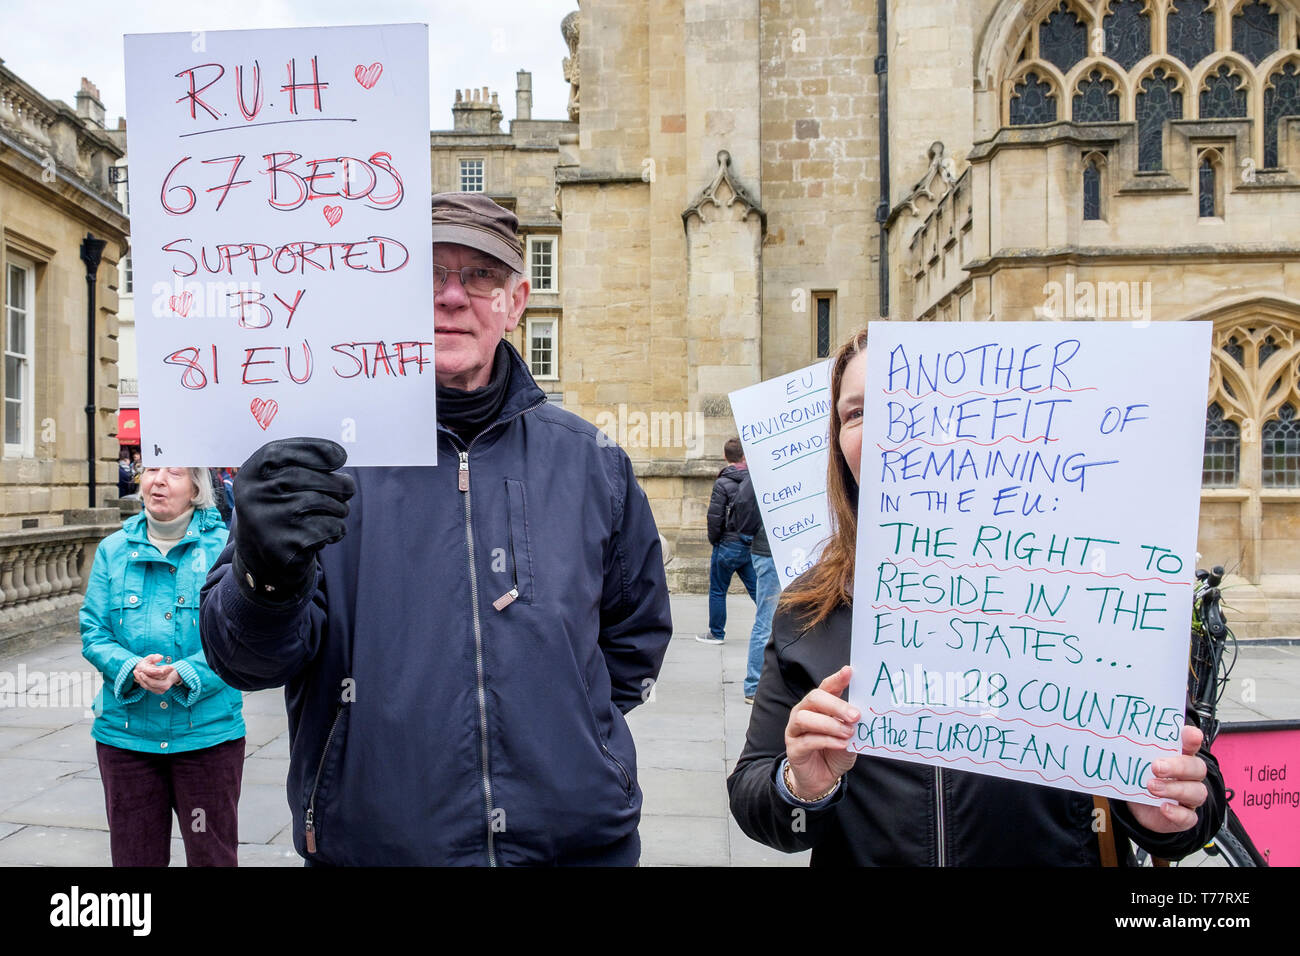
(468, 413)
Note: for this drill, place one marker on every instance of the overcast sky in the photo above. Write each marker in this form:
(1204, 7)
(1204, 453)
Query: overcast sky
(51, 44)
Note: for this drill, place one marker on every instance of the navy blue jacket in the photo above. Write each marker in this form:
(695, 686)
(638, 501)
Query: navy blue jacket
(456, 683)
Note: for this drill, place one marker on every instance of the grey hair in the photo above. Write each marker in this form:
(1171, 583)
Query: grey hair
(203, 497)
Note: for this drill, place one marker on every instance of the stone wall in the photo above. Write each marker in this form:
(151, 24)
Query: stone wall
(820, 177)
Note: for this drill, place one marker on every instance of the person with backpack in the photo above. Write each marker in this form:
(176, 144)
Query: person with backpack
(730, 542)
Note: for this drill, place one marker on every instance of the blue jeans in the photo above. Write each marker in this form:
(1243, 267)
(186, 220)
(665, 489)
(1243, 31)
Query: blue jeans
(730, 557)
(769, 590)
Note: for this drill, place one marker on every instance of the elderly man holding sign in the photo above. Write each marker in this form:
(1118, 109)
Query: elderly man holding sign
(459, 644)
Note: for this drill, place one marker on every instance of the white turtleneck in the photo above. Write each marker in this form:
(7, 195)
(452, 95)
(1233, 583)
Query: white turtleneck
(164, 535)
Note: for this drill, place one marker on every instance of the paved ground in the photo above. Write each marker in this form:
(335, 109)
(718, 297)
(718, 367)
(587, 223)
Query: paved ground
(688, 738)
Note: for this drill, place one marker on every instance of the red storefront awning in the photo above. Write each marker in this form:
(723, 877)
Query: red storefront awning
(128, 426)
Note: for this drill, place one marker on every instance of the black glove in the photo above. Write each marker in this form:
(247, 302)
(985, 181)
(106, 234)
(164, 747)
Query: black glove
(289, 504)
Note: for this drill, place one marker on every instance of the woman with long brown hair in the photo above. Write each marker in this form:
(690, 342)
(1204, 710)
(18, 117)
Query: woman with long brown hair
(797, 787)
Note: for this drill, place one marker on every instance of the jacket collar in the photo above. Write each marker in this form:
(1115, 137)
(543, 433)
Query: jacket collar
(203, 519)
(522, 393)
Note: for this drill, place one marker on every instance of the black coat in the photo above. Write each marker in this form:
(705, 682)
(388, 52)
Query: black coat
(721, 523)
(457, 680)
(892, 813)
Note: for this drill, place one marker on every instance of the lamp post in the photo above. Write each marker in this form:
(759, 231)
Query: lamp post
(92, 250)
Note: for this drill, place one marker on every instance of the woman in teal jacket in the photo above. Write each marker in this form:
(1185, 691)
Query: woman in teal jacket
(169, 732)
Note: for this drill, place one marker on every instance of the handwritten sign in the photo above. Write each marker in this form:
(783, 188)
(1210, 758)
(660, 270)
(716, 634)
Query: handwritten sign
(783, 427)
(1026, 542)
(280, 225)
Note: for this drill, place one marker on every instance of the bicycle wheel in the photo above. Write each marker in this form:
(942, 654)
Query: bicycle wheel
(1230, 847)
(1224, 850)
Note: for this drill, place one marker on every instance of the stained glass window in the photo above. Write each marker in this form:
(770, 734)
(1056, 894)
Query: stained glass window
(1156, 103)
(1224, 96)
(1128, 32)
(1234, 349)
(1281, 450)
(1281, 98)
(1190, 26)
(1032, 102)
(1266, 349)
(1220, 465)
(1254, 31)
(1096, 101)
(1207, 187)
(1062, 38)
(1091, 190)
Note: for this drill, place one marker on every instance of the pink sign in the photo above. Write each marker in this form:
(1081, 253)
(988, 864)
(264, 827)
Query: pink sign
(1262, 769)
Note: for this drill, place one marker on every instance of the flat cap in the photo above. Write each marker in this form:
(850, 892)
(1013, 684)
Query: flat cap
(474, 220)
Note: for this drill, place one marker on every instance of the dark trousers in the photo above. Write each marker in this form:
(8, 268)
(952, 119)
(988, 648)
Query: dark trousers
(142, 790)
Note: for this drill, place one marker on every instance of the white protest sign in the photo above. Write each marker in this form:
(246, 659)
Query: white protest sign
(1026, 543)
(281, 241)
(782, 425)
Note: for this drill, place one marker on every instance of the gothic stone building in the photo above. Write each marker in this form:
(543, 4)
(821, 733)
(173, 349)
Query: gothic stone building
(755, 179)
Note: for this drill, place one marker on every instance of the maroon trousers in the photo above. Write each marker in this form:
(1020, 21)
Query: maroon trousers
(142, 790)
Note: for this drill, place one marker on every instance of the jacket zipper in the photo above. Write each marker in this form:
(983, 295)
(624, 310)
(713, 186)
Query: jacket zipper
(463, 485)
(311, 803)
(627, 778)
(938, 806)
(510, 596)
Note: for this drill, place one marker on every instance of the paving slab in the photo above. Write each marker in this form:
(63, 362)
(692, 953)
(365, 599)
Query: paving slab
(682, 841)
(56, 846)
(73, 802)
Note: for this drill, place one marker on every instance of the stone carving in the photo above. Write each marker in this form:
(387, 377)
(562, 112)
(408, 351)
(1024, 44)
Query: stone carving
(941, 165)
(572, 72)
(720, 198)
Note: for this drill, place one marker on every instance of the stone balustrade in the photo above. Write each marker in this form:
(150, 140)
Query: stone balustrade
(54, 133)
(43, 574)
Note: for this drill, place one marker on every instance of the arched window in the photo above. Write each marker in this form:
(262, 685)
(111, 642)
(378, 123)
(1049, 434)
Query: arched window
(1110, 61)
(1096, 100)
(1189, 27)
(1223, 95)
(1281, 450)
(1158, 101)
(1063, 38)
(1093, 186)
(1222, 463)
(1127, 32)
(1281, 98)
(1254, 31)
(1033, 102)
(1254, 379)
(1208, 182)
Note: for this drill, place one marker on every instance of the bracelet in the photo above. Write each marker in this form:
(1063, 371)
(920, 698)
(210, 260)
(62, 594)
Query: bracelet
(789, 785)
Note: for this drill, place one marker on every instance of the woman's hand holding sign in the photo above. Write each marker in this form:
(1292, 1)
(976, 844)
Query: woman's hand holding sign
(1178, 778)
(817, 735)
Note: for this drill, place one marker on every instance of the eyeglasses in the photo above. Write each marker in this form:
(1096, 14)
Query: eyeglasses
(481, 281)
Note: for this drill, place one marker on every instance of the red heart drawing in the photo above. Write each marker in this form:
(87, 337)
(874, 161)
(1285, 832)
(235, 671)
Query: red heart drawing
(264, 410)
(181, 304)
(368, 76)
(333, 214)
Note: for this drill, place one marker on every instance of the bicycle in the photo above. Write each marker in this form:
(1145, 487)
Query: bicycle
(1209, 666)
